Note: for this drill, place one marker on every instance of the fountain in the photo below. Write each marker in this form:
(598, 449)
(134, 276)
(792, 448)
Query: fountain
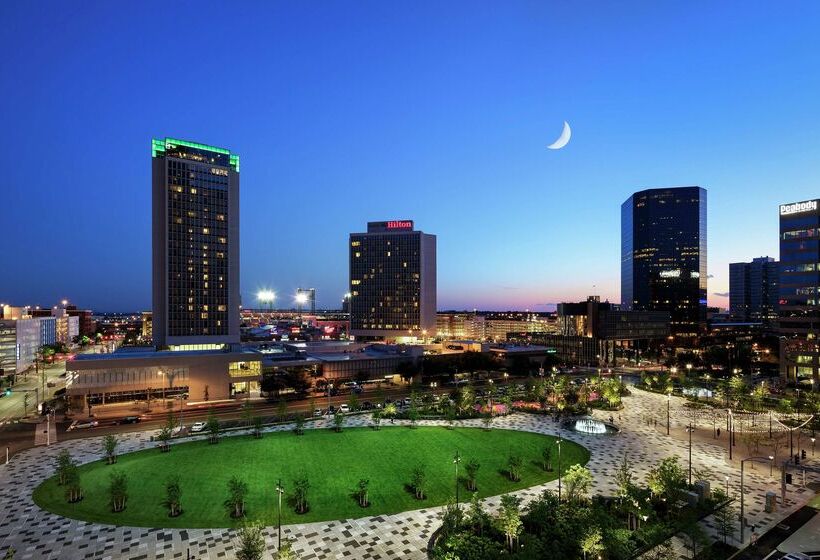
(591, 426)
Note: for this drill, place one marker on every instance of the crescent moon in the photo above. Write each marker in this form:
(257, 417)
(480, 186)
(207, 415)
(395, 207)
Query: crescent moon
(563, 140)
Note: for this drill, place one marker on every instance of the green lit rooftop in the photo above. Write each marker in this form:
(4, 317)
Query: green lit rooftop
(160, 145)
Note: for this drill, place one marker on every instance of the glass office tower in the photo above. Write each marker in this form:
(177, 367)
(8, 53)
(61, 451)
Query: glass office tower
(663, 256)
(195, 245)
(754, 290)
(392, 282)
(799, 312)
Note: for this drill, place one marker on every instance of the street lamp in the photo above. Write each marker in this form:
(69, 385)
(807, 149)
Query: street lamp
(280, 490)
(771, 465)
(812, 446)
(456, 461)
(668, 404)
(559, 462)
(727, 485)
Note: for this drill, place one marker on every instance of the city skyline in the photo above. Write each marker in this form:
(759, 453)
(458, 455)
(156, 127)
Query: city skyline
(463, 154)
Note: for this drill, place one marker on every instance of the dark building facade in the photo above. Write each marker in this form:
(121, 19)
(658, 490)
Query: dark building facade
(799, 308)
(663, 256)
(392, 281)
(754, 290)
(195, 245)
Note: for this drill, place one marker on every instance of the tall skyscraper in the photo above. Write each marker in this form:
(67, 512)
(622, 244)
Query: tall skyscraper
(392, 281)
(195, 245)
(754, 290)
(663, 256)
(799, 291)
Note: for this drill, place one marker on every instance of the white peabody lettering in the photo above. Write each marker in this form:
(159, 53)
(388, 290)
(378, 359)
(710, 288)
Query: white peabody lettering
(798, 207)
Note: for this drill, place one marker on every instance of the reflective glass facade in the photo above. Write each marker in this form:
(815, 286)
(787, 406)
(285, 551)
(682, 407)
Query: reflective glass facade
(663, 256)
(196, 249)
(754, 290)
(799, 305)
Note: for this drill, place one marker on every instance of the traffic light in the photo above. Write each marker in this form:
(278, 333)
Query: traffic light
(802, 453)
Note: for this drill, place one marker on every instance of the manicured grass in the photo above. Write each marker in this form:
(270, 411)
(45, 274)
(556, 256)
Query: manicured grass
(333, 462)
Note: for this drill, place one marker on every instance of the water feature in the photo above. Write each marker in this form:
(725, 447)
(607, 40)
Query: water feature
(592, 426)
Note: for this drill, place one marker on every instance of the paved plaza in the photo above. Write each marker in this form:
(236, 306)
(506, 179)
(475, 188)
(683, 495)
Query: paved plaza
(36, 534)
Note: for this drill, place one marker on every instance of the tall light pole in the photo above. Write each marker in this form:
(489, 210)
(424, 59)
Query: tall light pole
(559, 466)
(668, 404)
(812, 446)
(456, 461)
(280, 490)
(690, 453)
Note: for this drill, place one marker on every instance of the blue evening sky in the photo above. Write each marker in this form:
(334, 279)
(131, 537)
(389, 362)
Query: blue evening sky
(344, 112)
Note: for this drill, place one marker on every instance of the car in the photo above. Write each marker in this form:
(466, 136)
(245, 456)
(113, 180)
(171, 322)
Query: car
(344, 409)
(331, 409)
(318, 412)
(83, 424)
(177, 430)
(197, 427)
(367, 405)
(129, 420)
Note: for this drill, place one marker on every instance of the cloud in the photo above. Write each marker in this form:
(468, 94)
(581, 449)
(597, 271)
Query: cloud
(721, 294)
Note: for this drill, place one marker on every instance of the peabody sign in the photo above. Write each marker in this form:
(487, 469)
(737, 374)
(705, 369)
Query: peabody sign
(798, 207)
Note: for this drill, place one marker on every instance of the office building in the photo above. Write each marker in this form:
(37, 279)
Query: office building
(754, 290)
(663, 256)
(799, 309)
(392, 282)
(87, 323)
(195, 246)
(146, 332)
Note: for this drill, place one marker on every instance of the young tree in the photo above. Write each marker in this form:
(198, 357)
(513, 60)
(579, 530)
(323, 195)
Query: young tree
(450, 415)
(478, 517)
(164, 436)
(577, 481)
(452, 518)
(237, 491)
(418, 481)
(623, 476)
(173, 496)
(667, 479)
(471, 469)
(509, 519)
(514, 463)
(257, 426)
(546, 457)
(413, 415)
(286, 551)
(487, 420)
(338, 421)
(725, 519)
(353, 402)
(362, 492)
(110, 448)
(312, 407)
(118, 491)
(251, 542)
(300, 494)
(390, 411)
(247, 413)
(64, 463)
(213, 427)
(376, 419)
(591, 542)
(9, 555)
(281, 411)
(73, 487)
(299, 425)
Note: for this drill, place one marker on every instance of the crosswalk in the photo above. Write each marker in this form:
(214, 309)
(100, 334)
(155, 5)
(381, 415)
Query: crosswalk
(45, 433)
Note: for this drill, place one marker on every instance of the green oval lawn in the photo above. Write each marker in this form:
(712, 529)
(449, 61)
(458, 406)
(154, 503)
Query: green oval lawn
(333, 462)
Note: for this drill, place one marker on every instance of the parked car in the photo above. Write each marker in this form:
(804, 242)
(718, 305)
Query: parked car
(331, 409)
(318, 412)
(129, 420)
(197, 427)
(83, 424)
(367, 405)
(177, 430)
(344, 409)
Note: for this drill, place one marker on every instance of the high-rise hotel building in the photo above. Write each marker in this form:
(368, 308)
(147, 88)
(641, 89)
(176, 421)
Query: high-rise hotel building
(392, 282)
(799, 310)
(663, 256)
(195, 245)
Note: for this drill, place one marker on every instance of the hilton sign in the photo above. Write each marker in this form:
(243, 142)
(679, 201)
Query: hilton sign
(400, 224)
(798, 207)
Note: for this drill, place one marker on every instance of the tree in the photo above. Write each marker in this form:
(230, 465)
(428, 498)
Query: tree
(509, 519)
(353, 402)
(164, 436)
(611, 391)
(213, 427)
(237, 491)
(281, 411)
(73, 486)
(452, 518)
(9, 555)
(299, 425)
(312, 407)
(577, 481)
(487, 420)
(546, 457)
(477, 516)
(300, 494)
(514, 463)
(338, 421)
(362, 492)
(694, 532)
(667, 479)
(471, 469)
(251, 542)
(450, 415)
(247, 413)
(173, 496)
(257, 426)
(418, 481)
(118, 491)
(376, 418)
(591, 542)
(466, 398)
(390, 410)
(110, 448)
(664, 551)
(623, 476)
(413, 415)
(725, 519)
(64, 463)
